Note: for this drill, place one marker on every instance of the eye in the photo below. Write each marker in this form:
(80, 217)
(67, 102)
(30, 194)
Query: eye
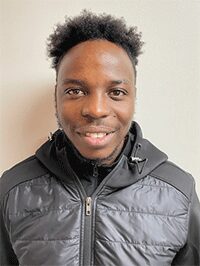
(117, 94)
(75, 92)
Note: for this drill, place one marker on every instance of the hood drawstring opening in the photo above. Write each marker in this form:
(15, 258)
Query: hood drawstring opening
(137, 161)
(50, 136)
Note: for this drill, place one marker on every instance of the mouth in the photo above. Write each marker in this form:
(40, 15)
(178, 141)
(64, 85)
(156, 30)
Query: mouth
(96, 137)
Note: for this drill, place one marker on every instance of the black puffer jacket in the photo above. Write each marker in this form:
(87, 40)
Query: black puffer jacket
(144, 212)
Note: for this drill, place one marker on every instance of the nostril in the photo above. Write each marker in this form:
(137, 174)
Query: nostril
(94, 111)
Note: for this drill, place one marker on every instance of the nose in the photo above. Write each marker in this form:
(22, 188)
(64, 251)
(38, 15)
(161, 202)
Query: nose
(96, 107)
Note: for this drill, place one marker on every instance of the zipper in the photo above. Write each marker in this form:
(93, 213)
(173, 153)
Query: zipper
(95, 171)
(88, 209)
(87, 233)
(88, 206)
(89, 214)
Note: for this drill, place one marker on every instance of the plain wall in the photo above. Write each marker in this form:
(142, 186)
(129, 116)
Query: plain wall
(168, 84)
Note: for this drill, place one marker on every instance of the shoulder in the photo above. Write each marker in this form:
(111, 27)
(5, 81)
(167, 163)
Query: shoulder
(26, 170)
(176, 177)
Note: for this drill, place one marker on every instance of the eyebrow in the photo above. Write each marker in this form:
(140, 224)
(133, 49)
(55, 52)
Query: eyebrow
(74, 81)
(116, 82)
(82, 83)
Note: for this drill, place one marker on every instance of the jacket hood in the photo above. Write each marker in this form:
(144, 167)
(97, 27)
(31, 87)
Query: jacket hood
(143, 159)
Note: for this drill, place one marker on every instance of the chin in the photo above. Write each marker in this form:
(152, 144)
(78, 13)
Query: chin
(95, 156)
(102, 157)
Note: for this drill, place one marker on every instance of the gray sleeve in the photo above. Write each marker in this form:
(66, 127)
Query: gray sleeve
(189, 255)
(7, 255)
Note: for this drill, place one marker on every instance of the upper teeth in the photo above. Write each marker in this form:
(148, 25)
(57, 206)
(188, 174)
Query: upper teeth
(95, 135)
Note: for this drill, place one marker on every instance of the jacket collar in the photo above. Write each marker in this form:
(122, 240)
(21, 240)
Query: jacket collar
(143, 159)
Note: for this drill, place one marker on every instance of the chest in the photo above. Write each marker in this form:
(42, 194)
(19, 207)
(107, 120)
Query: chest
(143, 224)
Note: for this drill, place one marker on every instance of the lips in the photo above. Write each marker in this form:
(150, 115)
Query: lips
(96, 136)
(86, 130)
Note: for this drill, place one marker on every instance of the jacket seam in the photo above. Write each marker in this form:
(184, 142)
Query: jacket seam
(160, 178)
(189, 214)
(146, 213)
(35, 177)
(47, 240)
(140, 244)
(167, 187)
(39, 211)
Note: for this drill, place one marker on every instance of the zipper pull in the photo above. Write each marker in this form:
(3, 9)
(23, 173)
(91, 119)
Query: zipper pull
(88, 206)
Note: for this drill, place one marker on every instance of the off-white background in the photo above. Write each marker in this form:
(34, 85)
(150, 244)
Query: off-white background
(168, 74)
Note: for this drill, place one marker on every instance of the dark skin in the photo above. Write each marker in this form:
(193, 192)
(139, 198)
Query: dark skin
(95, 98)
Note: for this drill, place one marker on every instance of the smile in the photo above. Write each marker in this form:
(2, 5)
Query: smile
(96, 135)
(96, 140)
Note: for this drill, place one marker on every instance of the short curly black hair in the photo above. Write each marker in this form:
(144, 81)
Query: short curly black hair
(89, 26)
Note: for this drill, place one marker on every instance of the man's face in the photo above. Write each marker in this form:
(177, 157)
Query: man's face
(95, 98)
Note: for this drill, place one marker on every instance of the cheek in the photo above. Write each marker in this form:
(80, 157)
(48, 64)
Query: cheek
(125, 112)
(66, 113)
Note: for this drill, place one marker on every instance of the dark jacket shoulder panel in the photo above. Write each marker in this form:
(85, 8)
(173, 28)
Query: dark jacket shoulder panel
(175, 176)
(26, 170)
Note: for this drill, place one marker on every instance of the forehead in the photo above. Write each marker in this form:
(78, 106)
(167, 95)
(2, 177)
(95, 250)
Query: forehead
(97, 57)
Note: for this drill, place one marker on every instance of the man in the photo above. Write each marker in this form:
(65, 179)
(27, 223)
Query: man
(98, 193)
